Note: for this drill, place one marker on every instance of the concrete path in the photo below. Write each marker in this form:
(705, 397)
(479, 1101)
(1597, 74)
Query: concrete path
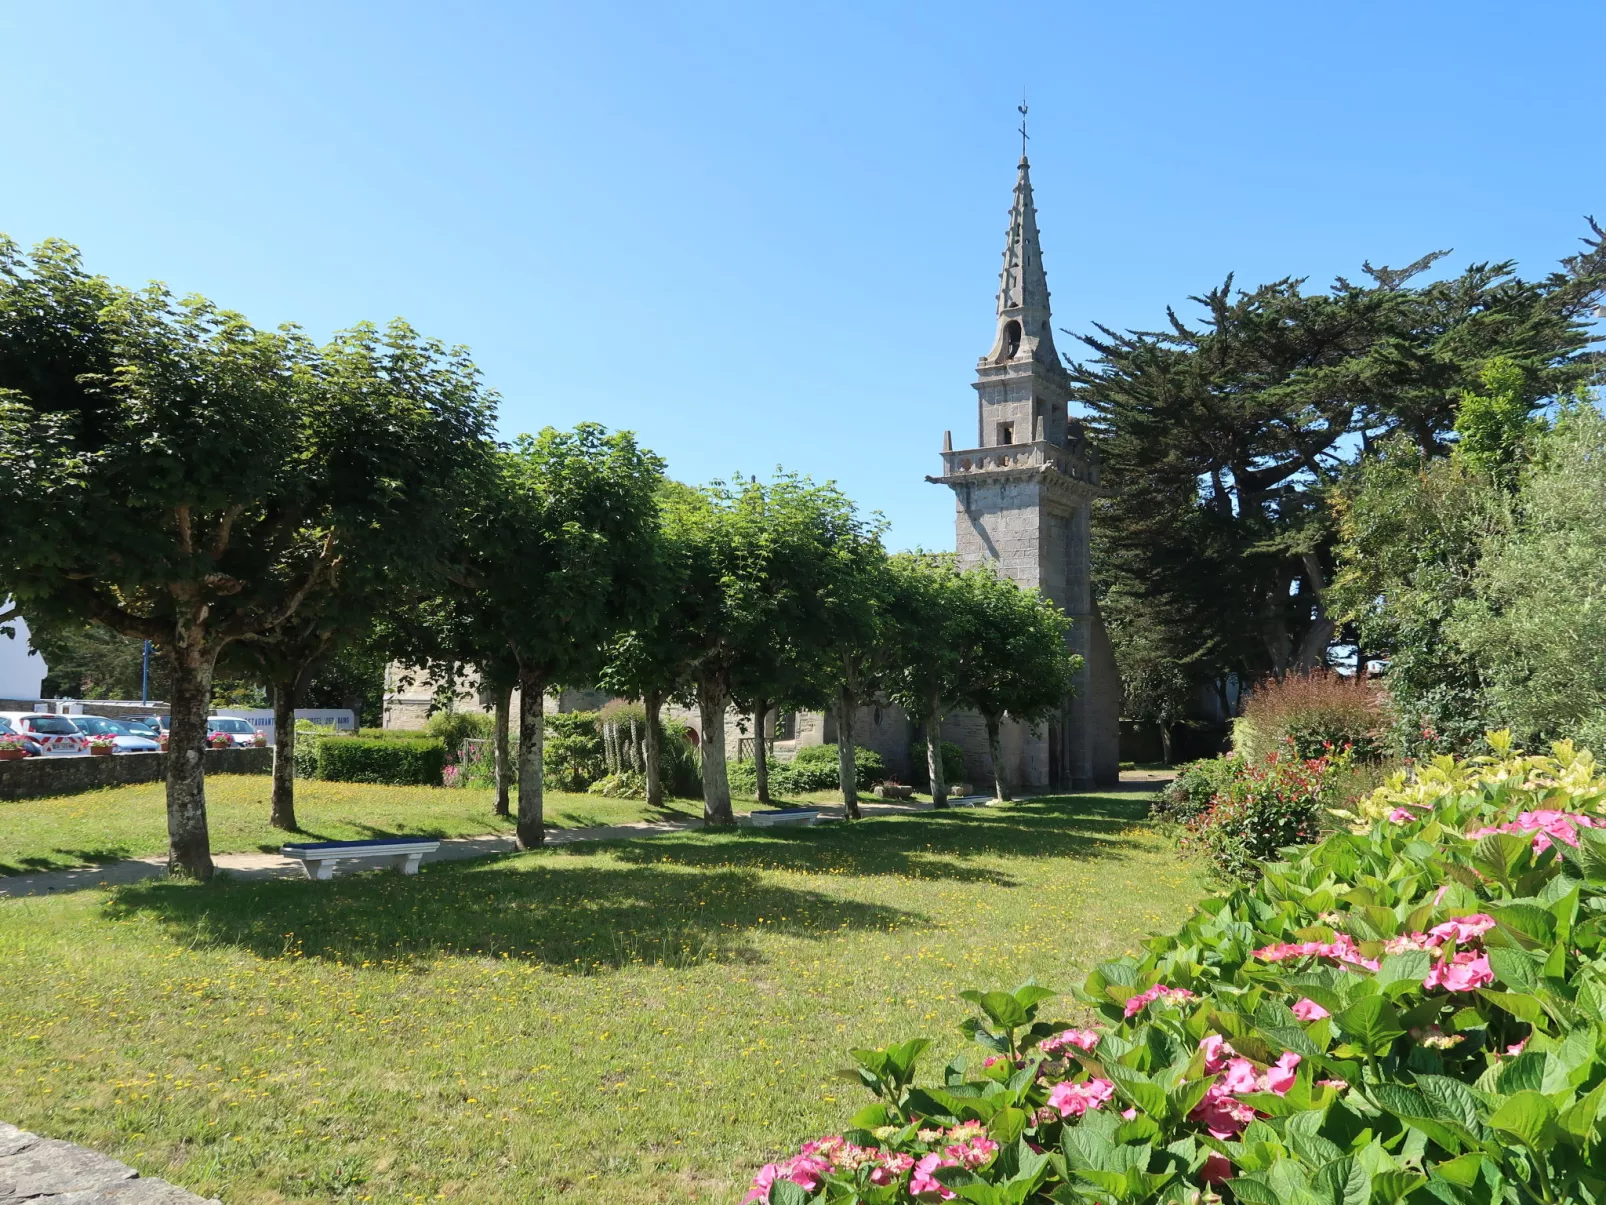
(47, 1171)
(452, 849)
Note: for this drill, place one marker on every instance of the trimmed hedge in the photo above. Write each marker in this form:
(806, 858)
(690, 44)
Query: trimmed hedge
(417, 762)
(813, 769)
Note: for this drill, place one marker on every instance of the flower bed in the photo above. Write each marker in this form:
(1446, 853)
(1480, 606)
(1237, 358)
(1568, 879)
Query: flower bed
(1417, 1011)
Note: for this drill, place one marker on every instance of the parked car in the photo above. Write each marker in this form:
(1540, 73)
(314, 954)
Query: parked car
(57, 735)
(30, 745)
(125, 737)
(241, 733)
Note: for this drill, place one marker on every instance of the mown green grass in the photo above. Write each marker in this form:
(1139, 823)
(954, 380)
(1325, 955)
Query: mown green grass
(637, 1022)
(127, 822)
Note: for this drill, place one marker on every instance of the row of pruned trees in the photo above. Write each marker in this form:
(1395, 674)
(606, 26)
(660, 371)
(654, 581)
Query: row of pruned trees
(252, 500)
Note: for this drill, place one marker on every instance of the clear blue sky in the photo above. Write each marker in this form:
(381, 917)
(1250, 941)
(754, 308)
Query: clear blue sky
(764, 234)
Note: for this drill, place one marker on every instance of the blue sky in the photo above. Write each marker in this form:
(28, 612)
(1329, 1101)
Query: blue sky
(763, 234)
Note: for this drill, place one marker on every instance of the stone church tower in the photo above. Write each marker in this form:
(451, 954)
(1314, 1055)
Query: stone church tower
(1023, 494)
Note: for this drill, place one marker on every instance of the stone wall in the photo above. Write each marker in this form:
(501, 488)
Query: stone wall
(38, 777)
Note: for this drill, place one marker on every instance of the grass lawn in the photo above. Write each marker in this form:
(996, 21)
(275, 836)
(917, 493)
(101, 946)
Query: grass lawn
(637, 1022)
(127, 822)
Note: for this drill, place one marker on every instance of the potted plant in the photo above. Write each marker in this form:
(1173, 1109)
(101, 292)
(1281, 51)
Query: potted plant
(260, 739)
(102, 746)
(12, 747)
(219, 740)
(891, 789)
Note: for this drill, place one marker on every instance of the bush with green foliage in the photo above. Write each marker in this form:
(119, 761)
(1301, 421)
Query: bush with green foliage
(1261, 808)
(814, 768)
(1196, 785)
(1414, 1013)
(953, 764)
(417, 762)
(573, 751)
(452, 728)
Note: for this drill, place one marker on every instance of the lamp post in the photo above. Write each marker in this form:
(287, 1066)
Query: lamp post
(145, 676)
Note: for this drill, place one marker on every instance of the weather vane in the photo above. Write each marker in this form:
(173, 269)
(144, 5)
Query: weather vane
(1021, 109)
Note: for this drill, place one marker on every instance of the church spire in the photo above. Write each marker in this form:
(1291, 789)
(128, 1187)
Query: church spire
(1024, 321)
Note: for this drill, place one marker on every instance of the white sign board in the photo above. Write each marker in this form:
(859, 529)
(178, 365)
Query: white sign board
(342, 719)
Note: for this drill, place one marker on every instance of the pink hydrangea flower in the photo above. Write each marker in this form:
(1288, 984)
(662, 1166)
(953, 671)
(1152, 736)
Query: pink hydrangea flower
(978, 1152)
(1223, 1115)
(1339, 1084)
(1072, 1100)
(1240, 1077)
(1342, 948)
(922, 1180)
(1307, 1009)
(892, 1165)
(1216, 1050)
(1466, 972)
(1515, 1048)
(1129, 1114)
(1462, 929)
(1216, 1169)
(1280, 1075)
(1402, 816)
(806, 1171)
(1082, 1039)
(1547, 825)
(1142, 1000)
(1407, 942)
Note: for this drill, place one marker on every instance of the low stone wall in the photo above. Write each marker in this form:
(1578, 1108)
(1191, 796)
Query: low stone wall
(37, 777)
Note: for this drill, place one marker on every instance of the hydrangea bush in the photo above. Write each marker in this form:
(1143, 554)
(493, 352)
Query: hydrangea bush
(1413, 1012)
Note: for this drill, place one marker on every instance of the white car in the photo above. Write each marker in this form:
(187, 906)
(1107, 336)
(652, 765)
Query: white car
(57, 735)
(125, 738)
(241, 733)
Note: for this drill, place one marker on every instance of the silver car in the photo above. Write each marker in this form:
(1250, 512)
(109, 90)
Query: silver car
(126, 739)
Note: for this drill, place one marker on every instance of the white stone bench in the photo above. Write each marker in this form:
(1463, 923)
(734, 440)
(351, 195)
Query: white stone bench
(318, 859)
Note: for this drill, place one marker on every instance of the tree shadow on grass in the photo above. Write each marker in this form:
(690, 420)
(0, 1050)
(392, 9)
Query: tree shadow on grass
(61, 858)
(581, 917)
(941, 844)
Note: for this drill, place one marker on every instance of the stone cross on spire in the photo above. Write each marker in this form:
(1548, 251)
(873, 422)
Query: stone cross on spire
(1024, 323)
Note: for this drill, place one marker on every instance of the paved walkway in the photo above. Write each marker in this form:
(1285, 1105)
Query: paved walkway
(42, 1171)
(452, 849)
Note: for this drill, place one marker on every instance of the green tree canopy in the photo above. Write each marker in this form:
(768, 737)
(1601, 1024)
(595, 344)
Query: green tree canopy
(193, 480)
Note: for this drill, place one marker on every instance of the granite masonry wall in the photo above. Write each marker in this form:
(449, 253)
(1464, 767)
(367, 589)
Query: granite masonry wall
(37, 777)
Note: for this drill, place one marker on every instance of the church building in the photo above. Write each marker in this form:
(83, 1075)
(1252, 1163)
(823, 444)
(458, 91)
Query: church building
(1022, 498)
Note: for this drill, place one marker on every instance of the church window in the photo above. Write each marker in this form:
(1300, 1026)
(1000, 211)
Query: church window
(1006, 433)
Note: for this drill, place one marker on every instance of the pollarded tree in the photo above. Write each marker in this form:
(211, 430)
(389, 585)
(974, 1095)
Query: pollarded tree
(560, 561)
(927, 630)
(1017, 662)
(193, 481)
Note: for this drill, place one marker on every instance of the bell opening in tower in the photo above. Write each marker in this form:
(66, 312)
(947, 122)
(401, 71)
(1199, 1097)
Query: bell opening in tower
(1011, 340)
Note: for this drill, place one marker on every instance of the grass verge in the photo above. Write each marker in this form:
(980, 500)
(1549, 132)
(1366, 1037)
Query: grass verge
(640, 1021)
(128, 822)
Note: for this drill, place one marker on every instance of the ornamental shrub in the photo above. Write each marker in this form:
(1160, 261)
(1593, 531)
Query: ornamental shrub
(1412, 1013)
(404, 763)
(572, 751)
(953, 764)
(813, 769)
(452, 728)
(1194, 788)
(1260, 809)
(1314, 712)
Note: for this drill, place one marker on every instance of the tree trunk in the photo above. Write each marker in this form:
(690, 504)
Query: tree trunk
(532, 731)
(847, 773)
(939, 780)
(996, 749)
(653, 742)
(499, 749)
(1165, 742)
(282, 809)
(189, 846)
(716, 786)
(761, 763)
